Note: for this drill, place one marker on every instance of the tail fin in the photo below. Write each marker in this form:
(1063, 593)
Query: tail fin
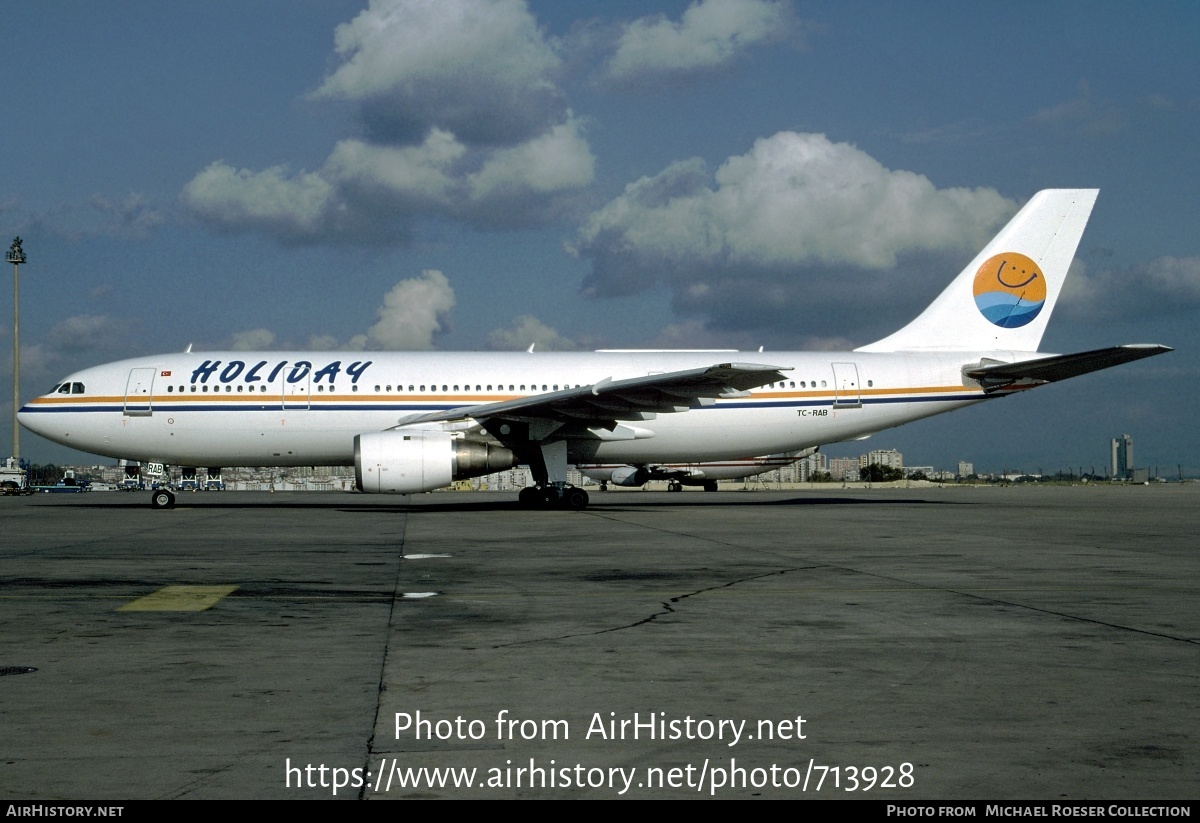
(1004, 298)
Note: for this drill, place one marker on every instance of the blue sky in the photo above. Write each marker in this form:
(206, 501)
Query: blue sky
(727, 173)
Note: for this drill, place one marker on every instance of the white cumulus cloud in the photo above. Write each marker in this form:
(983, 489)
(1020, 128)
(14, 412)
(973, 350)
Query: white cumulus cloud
(413, 312)
(463, 119)
(481, 68)
(558, 160)
(252, 340)
(797, 221)
(527, 330)
(270, 200)
(710, 34)
(408, 176)
(794, 200)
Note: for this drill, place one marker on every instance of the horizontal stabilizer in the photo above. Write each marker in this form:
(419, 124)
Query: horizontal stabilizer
(1059, 366)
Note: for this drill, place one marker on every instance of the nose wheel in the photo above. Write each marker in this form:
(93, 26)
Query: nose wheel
(162, 499)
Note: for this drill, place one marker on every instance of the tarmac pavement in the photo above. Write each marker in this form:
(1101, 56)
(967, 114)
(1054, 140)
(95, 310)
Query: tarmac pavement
(935, 643)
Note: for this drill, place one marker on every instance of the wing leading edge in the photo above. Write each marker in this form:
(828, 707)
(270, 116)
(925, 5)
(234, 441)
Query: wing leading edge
(607, 401)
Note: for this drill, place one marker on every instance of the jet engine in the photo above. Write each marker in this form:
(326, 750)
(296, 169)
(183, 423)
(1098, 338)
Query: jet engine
(633, 476)
(406, 462)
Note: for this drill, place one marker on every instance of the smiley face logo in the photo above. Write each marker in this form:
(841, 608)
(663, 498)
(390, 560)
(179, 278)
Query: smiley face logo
(1010, 290)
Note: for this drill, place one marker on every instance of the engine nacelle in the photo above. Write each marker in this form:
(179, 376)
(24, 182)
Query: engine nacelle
(633, 476)
(406, 462)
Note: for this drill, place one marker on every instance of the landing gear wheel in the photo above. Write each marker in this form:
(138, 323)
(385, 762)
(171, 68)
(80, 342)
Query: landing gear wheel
(674, 486)
(575, 499)
(529, 497)
(162, 499)
(710, 486)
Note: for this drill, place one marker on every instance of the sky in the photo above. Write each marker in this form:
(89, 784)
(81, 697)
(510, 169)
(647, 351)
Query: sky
(470, 175)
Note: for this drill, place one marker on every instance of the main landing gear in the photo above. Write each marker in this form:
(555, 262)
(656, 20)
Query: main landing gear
(162, 499)
(551, 496)
(550, 488)
(676, 486)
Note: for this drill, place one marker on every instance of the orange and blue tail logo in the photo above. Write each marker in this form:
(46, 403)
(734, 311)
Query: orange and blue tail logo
(1010, 290)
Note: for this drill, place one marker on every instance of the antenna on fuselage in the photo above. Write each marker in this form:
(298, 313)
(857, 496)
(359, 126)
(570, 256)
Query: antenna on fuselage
(188, 350)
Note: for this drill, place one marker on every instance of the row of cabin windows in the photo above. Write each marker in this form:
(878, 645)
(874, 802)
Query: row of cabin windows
(467, 387)
(193, 388)
(805, 384)
(322, 388)
(77, 388)
(380, 388)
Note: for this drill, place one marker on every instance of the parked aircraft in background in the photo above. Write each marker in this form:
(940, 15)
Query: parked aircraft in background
(679, 475)
(415, 421)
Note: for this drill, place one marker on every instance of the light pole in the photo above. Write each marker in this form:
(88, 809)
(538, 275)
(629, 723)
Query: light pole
(16, 256)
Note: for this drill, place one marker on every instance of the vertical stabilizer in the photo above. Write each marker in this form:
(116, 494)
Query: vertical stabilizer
(1004, 298)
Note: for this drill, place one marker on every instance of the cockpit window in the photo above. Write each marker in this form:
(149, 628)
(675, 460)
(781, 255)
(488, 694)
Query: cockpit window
(76, 388)
(65, 388)
(53, 390)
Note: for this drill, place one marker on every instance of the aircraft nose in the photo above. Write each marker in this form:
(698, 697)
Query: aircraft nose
(31, 420)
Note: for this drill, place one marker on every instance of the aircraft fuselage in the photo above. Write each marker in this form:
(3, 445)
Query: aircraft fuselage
(304, 408)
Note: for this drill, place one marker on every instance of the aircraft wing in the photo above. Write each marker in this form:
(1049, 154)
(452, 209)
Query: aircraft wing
(606, 401)
(1059, 366)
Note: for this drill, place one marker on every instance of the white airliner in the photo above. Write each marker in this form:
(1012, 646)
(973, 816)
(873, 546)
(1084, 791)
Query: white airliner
(416, 421)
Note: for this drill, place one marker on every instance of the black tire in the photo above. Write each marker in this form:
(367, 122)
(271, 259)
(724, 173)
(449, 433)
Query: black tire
(162, 499)
(710, 486)
(529, 497)
(575, 499)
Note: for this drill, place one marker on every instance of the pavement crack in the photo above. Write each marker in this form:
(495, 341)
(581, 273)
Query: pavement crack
(667, 608)
(397, 594)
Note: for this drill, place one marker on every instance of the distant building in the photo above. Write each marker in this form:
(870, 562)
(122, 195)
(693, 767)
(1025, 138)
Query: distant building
(813, 464)
(1122, 457)
(882, 457)
(965, 469)
(843, 468)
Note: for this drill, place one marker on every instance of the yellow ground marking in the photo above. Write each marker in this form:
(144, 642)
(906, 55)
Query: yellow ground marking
(179, 599)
